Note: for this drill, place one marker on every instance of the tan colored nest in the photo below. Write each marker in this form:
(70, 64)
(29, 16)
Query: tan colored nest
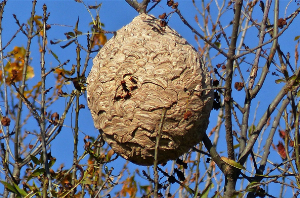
(143, 69)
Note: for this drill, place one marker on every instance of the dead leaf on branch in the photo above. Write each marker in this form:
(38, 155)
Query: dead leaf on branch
(281, 150)
(238, 86)
(5, 121)
(282, 133)
(55, 118)
(281, 23)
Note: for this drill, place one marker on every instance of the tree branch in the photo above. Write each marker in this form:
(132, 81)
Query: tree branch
(200, 35)
(139, 7)
(230, 175)
(263, 121)
(213, 153)
(269, 141)
(274, 37)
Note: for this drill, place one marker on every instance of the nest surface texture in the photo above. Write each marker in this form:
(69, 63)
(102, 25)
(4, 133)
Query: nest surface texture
(142, 70)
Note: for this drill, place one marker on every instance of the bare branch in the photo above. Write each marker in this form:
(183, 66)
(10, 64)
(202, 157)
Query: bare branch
(139, 7)
(230, 175)
(271, 135)
(198, 34)
(262, 122)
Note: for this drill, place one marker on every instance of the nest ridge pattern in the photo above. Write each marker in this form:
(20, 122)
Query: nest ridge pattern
(143, 69)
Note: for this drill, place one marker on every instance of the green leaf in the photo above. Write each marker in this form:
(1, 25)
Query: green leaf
(251, 129)
(233, 163)
(279, 81)
(218, 44)
(217, 195)
(71, 34)
(35, 160)
(10, 187)
(87, 181)
(20, 191)
(35, 187)
(296, 38)
(55, 56)
(41, 158)
(54, 193)
(36, 172)
(52, 162)
(293, 77)
(252, 186)
(206, 191)
(78, 32)
(236, 146)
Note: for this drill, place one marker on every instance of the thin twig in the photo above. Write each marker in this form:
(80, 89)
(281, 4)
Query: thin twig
(106, 180)
(163, 115)
(6, 131)
(293, 16)
(47, 182)
(20, 26)
(271, 135)
(156, 3)
(139, 7)
(53, 69)
(12, 38)
(262, 122)
(198, 34)
(76, 128)
(53, 133)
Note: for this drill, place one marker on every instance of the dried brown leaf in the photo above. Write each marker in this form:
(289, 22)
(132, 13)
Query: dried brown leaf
(5, 121)
(196, 19)
(281, 150)
(282, 133)
(238, 86)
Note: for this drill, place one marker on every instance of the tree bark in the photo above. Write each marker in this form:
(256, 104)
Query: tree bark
(231, 172)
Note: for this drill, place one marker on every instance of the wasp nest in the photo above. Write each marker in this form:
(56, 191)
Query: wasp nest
(142, 70)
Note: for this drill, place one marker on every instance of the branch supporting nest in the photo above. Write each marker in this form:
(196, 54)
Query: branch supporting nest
(139, 7)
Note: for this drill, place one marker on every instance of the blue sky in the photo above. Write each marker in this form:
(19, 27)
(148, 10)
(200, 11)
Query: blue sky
(114, 14)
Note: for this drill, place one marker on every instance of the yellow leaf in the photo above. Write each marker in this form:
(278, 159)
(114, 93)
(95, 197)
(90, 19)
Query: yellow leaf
(30, 72)
(99, 39)
(102, 39)
(19, 53)
(15, 70)
(90, 161)
(37, 20)
(37, 85)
